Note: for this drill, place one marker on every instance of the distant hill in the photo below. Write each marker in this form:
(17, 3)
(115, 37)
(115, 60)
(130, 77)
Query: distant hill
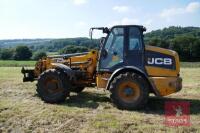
(28, 42)
(173, 32)
(49, 45)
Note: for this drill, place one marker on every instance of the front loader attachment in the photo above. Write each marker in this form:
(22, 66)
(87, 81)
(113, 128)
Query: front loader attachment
(29, 75)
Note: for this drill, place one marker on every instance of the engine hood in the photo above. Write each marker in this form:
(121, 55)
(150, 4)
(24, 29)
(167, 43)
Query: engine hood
(161, 62)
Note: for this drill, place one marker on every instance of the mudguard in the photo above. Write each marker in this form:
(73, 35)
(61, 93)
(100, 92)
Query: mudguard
(67, 70)
(135, 70)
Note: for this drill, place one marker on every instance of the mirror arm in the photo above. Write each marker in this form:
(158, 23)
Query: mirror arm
(104, 29)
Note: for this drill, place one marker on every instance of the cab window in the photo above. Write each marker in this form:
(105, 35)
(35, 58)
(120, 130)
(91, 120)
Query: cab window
(134, 39)
(114, 48)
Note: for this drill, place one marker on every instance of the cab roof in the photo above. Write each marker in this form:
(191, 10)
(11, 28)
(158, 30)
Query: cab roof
(139, 26)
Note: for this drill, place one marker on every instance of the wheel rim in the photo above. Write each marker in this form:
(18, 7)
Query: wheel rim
(129, 91)
(52, 85)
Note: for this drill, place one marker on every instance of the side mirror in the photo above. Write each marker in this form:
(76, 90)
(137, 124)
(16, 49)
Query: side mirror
(106, 30)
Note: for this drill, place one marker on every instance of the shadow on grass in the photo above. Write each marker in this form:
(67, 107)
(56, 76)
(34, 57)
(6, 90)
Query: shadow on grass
(155, 105)
(86, 100)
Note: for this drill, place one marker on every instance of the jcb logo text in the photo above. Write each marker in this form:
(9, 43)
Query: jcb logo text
(160, 61)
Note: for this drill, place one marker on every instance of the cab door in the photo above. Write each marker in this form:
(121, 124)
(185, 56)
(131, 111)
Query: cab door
(134, 55)
(112, 53)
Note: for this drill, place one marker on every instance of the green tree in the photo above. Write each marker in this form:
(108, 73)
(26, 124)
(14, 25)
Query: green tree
(38, 55)
(22, 53)
(6, 54)
(195, 48)
(73, 49)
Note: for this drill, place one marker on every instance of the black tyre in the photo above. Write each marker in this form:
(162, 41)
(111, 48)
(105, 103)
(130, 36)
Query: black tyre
(129, 91)
(77, 89)
(52, 86)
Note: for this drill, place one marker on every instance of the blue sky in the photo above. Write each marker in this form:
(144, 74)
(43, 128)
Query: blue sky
(73, 18)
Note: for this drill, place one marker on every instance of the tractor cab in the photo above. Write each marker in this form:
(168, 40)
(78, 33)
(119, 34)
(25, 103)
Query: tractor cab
(123, 46)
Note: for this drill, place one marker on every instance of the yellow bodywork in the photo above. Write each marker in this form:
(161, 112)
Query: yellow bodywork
(102, 80)
(166, 85)
(165, 81)
(86, 63)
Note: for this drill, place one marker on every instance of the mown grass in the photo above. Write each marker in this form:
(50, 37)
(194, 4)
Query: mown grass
(13, 63)
(190, 64)
(21, 110)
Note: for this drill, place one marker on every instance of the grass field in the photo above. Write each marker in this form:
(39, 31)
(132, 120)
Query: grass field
(21, 110)
(13, 63)
(190, 64)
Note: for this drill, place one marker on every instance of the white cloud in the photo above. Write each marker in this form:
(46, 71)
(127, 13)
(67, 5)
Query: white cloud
(121, 8)
(171, 12)
(80, 2)
(129, 21)
(81, 23)
(167, 13)
(193, 7)
(125, 21)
